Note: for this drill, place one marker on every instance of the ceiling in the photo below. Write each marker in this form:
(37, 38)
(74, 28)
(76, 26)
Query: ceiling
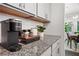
(71, 8)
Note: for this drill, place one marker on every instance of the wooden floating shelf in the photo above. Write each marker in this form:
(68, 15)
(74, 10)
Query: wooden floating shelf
(20, 13)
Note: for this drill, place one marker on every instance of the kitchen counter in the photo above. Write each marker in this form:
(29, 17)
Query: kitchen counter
(32, 49)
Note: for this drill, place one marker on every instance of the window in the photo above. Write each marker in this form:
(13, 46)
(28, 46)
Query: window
(77, 26)
(68, 26)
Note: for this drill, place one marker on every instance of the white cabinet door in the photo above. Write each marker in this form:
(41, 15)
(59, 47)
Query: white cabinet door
(56, 48)
(14, 4)
(41, 10)
(56, 51)
(47, 52)
(30, 7)
(47, 10)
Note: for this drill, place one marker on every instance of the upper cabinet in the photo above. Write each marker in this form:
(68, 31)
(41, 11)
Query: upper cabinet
(33, 11)
(29, 7)
(14, 4)
(43, 10)
(37, 9)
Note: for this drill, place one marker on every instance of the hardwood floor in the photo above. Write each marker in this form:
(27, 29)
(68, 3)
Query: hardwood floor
(71, 53)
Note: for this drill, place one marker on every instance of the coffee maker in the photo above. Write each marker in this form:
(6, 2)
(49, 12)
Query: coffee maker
(10, 34)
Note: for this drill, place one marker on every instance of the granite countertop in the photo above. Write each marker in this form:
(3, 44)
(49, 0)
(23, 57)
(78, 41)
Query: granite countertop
(32, 49)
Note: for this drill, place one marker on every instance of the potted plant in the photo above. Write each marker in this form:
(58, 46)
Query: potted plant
(40, 30)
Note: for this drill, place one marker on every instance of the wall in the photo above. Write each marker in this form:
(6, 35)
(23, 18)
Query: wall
(56, 27)
(44, 10)
(26, 24)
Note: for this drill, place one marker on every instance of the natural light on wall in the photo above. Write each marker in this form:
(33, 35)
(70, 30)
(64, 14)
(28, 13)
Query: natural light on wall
(75, 17)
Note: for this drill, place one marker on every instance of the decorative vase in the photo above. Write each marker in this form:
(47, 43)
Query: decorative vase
(41, 34)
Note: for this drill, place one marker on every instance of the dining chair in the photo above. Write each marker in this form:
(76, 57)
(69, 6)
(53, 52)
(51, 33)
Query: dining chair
(69, 40)
(76, 41)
